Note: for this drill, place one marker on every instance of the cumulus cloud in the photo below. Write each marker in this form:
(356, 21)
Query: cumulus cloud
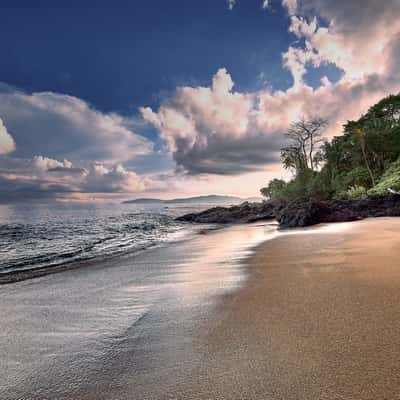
(291, 6)
(60, 126)
(46, 177)
(7, 144)
(216, 130)
(47, 164)
(101, 179)
(358, 36)
(213, 129)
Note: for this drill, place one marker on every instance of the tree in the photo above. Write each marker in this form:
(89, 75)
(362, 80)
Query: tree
(363, 160)
(274, 189)
(360, 134)
(305, 139)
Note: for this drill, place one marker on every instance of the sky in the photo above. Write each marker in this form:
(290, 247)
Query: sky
(173, 98)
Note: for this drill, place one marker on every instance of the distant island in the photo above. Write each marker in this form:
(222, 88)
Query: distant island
(210, 199)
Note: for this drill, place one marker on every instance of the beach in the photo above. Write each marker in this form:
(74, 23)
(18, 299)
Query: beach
(244, 313)
(318, 319)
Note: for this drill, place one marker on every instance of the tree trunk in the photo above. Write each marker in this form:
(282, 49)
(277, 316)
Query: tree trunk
(366, 162)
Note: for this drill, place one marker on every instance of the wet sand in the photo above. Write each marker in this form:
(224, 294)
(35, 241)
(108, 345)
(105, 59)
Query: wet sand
(318, 319)
(120, 329)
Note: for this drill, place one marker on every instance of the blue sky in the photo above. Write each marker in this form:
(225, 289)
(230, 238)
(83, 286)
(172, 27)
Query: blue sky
(122, 54)
(178, 97)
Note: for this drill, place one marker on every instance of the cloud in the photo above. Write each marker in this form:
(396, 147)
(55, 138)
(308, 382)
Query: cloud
(47, 164)
(296, 60)
(291, 6)
(7, 144)
(357, 36)
(217, 130)
(231, 4)
(60, 126)
(208, 130)
(102, 179)
(42, 177)
(213, 129)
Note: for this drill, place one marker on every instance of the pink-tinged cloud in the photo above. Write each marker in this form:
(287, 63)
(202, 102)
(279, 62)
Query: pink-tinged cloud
(217, 130)
(46, 177)
(7, 144)
(291, 6)
(213, 129)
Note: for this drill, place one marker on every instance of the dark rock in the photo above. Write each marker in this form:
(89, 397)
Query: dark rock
(245, 212)
(300, 213)
(306, 213)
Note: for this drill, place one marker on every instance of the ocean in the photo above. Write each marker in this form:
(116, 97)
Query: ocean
(126, 325)
(34, 235)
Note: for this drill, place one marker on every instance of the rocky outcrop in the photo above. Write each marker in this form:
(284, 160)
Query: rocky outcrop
(301, 213)
(243, 213)
(306, 213)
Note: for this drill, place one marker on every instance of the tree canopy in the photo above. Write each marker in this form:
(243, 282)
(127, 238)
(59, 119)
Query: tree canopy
(354, 164)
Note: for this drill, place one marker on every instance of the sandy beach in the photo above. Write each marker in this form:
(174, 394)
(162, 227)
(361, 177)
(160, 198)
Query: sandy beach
(317, 317)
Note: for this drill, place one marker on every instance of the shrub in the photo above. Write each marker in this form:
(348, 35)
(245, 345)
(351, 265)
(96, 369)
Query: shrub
(356, 192)
(275, 189)
(357, 176)
(389, 180)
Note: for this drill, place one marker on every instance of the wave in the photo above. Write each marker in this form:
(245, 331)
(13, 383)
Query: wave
(59, 241)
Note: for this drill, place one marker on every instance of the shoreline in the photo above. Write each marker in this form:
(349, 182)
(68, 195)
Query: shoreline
(14, 276)
(242, 313)
(123, 324)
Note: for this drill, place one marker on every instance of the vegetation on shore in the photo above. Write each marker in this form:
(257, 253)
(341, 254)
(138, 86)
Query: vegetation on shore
(364, 160)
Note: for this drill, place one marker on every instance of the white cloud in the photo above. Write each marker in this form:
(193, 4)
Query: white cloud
(291, 6)
(46, 177)
(358, 36)
(61, 126)
(115, 179)
(216, 130)
(296, 60)
(231, 4)
(213, 129)
(7, 144)
(44, 164)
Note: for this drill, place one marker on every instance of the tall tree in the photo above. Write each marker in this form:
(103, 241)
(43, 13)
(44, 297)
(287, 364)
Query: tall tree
(305, 138)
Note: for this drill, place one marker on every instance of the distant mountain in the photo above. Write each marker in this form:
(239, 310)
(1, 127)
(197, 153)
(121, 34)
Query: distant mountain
(210, 199)
(143, 201)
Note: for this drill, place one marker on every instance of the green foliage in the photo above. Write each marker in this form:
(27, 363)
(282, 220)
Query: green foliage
(357, 177)
(359, 162)
(390, 180)
(275, 189)
(356, 192)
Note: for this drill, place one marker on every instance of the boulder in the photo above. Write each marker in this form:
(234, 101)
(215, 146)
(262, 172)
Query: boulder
(245, 212)
(306, 213)
(301, 213)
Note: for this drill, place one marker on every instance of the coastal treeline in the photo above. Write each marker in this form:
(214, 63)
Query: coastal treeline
(364, 160)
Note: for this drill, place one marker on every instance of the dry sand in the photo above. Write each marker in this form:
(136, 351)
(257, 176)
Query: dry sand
(318, 319)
